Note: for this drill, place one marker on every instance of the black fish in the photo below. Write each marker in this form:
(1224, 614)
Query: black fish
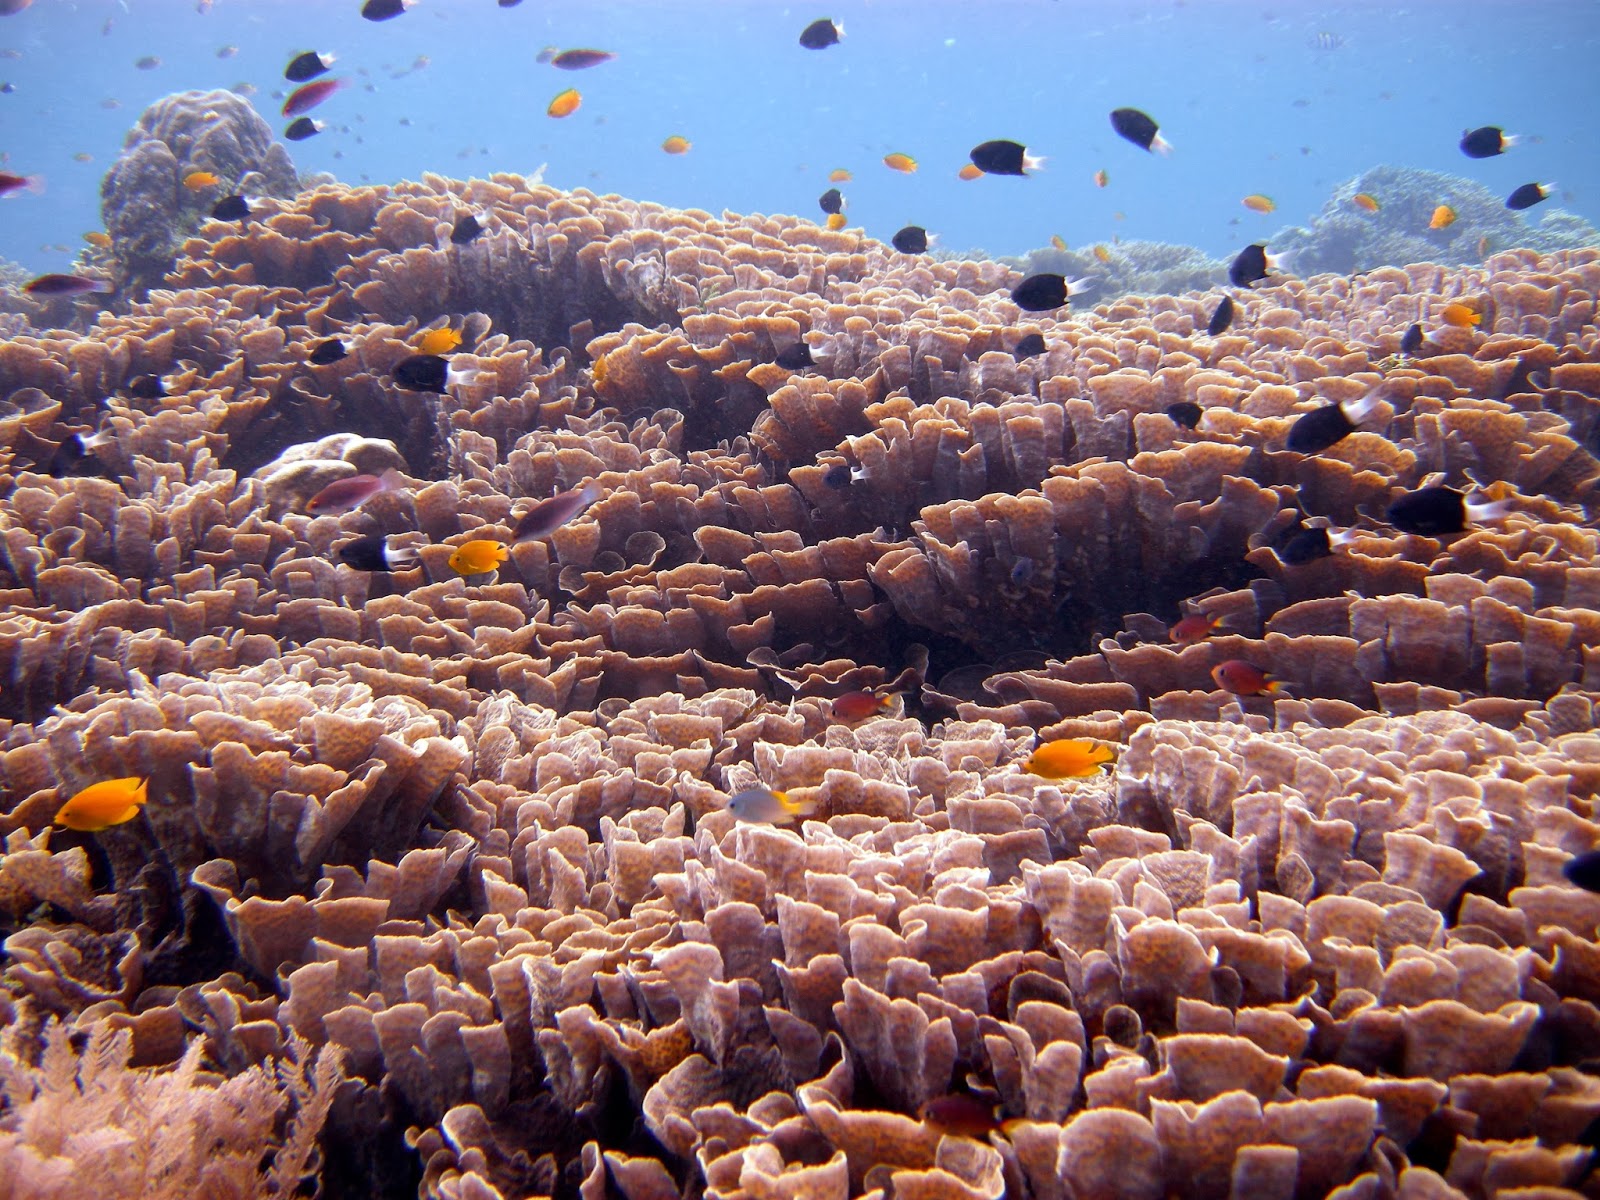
(1249, 265)
(1041, 293)
(146, 387)
(1412, 340)
(1186, 413)
(231, 208)
(330, 351)
(913, 239)
(1430, 512)
(1221, 318)
(837, 476)
(821, 34)
(509, 3)
(1003, 158)
(1028, 346)
(796, 358)
(422, 373)
(373, 553)
(1584, 870)
(302, 128)
(307, 66)
(382, 10)
(467, 228)
(1527, 196)
(1485, 142)
(831, 201)
(1139, 129)
(1308, 545)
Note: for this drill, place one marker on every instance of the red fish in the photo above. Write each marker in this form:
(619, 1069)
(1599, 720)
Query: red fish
(547, 516)
(66, 285)
(1194, 628)
(578, 60)
(11, 185)
(308, 96)
(1245, 679)
(858, 706)
(346, 495)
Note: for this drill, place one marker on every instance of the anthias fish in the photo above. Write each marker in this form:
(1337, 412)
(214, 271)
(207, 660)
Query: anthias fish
(913, 239)
(102, 805)
(348, 494)
(1001, 157)
(1069, 758)
(303, 67)
(903, 163)
(1244, 679)
(1028, 345)
(677, 144)
(1329, 424)
(821, 34)
(763, 806)
(1140, 129)
(565, 103)
(374, 553)
(65, 285)
(1486, 141)
(1041, 293)
(859, 705)
(1221, 317)
(547, 516)
(1196, 627)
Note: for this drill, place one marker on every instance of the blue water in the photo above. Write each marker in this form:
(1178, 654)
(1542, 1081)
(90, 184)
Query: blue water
(1244, 90)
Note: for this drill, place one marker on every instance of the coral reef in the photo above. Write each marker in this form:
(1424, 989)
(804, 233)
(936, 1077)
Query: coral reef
(469, 837)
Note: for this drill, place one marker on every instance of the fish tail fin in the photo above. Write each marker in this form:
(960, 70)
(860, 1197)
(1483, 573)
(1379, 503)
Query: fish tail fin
(392, 480)
(462, 376)
(35, 185)
(797, 808)
(1160, 145)
(1276, 687)
(838, 27)
(1033, 162)
(1077, 287)
(402, 558)
(1008, 1128)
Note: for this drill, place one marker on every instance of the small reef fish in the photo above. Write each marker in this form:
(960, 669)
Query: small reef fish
(1256, 202)
(466, 229)
(104, 804)
(970, 172)
(307, 66)
(1041, 293)
(83, 156)
(1251, 265)
(1001, 157)
(65, 285)
(1186, 413)
(913, 239)
(839, 175)
(1101, 178)
(962, 1115)
(1194, 628)
(383, 10)
(903, 163)
(231, 208)
(14, 185)
(1584, 870)
(199, 181)
(1028, 345)
(477, 557)
(1412, 340)
(1329, 424)
(308, 95)
(1462, 316)
(565, 104)
(1058, 242)
(1069, 758)
(227, 51)
(1366, 202)
(831, 201)
(1102, 252)
(302, 128)
(837, 477)
(578, 60)
(373, 553)
(1245, 679)
(148, 63)
(677, 144)
(146, 387)
(1221, 317)
(1486, 141)
(795, 358)
(327, 352)
(1529, 194)
(859, 705)
(549, 515)
(1140, 129)
(1439, 511)
(763, 806)
(438, 341)
(821, 34)
(347, 495)
(98, 238)
(1315, 540)
(1443, 216)
(428, 373)
(836, 221)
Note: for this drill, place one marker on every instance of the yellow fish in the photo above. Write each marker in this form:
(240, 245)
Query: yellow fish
(1256, 202)
(1068, 758)
(1103, 254)
(98, 239)
(198, 181)
(1442, 216)
(903, 163)
(104, 804)
(762, 806)
(838, 175)
(438, 341)
(1462, 316)
(1366, 202)
(836, 221)
(677, 144)
(969, 172)
(565, 104)
(477, 557)
(1059, 242)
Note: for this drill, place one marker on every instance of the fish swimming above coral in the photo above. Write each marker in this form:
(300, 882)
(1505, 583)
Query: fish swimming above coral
(101, 805)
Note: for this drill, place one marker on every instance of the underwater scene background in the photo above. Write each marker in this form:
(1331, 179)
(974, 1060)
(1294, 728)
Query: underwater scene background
(538, 660)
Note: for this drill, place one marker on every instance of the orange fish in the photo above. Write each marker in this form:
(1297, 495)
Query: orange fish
(104, 804)
(1442, 216)
(1256, 202)
(1365, 201)
(98, 239)
(477, 557)
(1245, 679)
(676, 144)
(1069, 758)
(903, 163)
(565, 104)
(199, 181)
(969, 172)
(1059, 242)
(961, 1115)
(836, 221)
(1101, 178)
(839, 175)
(438, 341)
(1102, 253)
(1462, 316)
(858, 706)
(1194, 628)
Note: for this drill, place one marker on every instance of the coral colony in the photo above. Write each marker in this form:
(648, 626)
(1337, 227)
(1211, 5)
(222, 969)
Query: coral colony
(1129, 805)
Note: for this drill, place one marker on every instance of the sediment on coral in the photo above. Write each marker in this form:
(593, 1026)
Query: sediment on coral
(470, 833)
